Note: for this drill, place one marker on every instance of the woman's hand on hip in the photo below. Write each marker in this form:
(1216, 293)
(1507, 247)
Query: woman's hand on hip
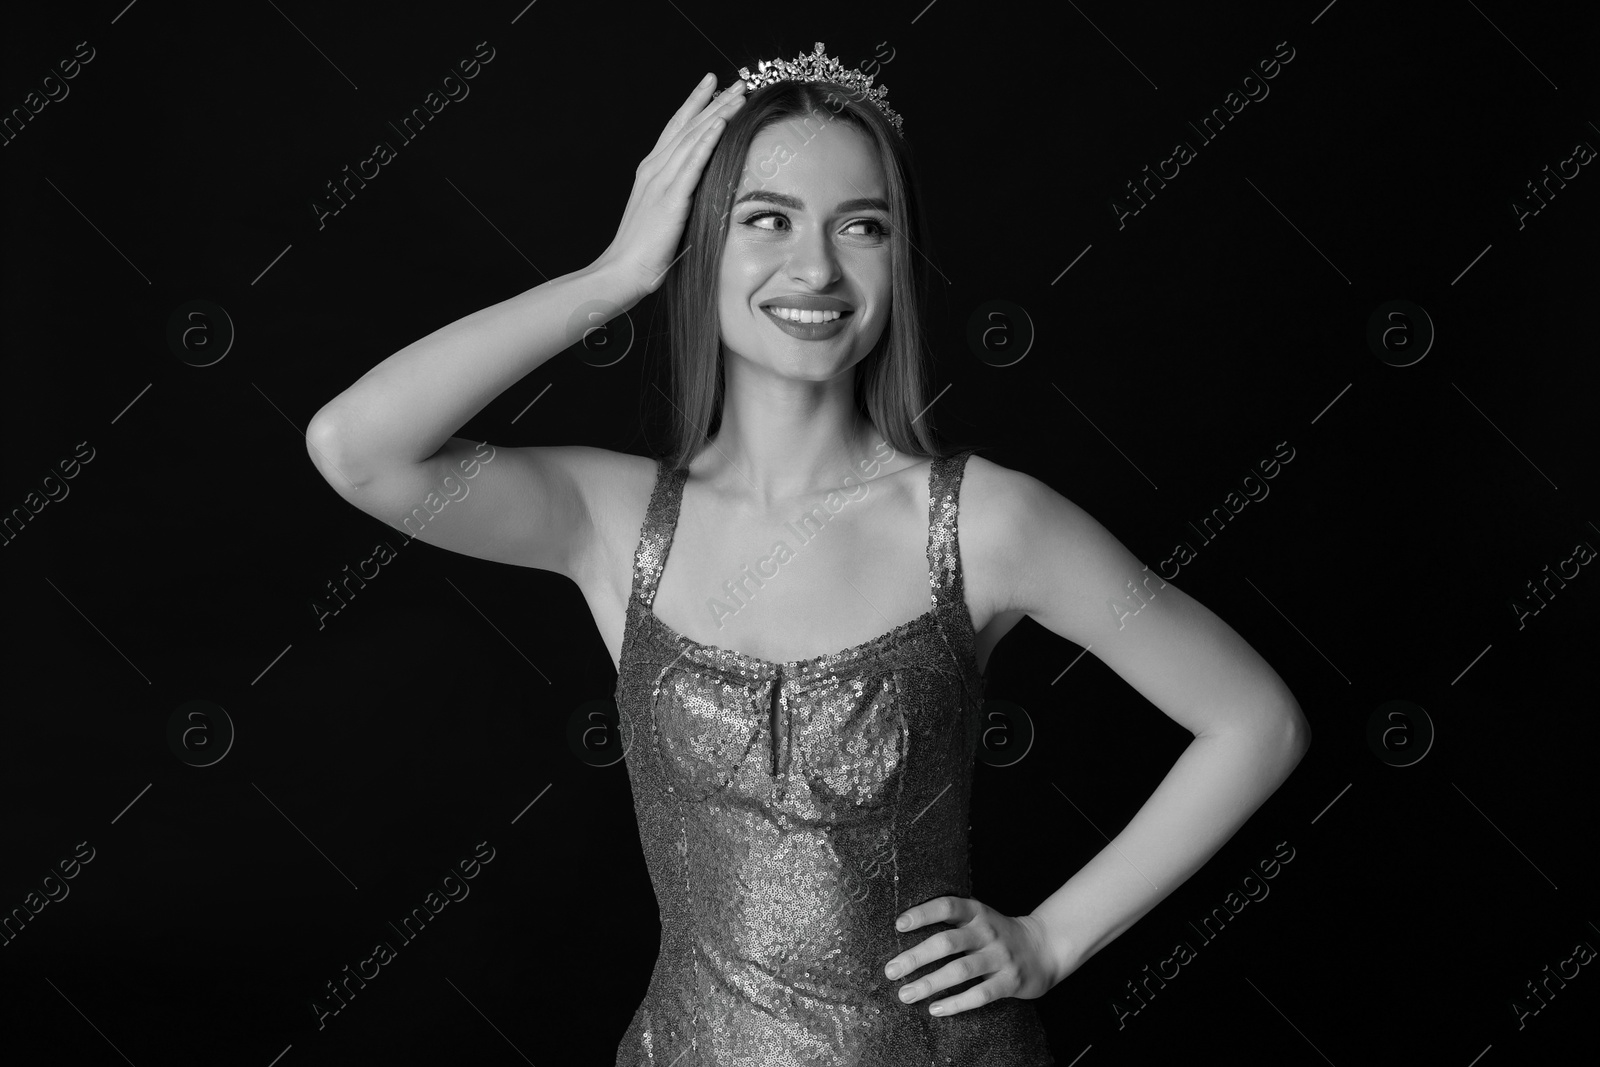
(1015, 952)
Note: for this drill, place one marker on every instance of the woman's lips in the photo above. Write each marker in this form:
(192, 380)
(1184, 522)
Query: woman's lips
(809, 331)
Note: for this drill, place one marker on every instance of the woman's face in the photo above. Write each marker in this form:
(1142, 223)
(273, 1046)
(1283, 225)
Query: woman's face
(810, 219)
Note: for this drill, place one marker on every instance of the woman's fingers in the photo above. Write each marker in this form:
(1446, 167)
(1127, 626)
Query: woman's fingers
(702, 92)
(673, 140)
(682, 183)
(697, 143)
(703, 97)
(663, 186)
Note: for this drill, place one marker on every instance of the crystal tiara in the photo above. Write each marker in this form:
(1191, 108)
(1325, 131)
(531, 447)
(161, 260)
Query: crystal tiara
(818, 66)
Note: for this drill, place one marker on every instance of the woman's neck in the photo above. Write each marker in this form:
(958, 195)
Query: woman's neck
(781, 439)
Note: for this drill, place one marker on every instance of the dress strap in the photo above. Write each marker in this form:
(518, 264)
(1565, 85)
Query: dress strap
(944, 550)
(655, 536)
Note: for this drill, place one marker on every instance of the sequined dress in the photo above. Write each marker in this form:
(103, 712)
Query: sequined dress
(789, 813)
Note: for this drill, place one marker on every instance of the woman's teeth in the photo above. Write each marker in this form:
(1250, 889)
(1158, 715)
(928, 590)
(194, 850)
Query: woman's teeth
(796, 315)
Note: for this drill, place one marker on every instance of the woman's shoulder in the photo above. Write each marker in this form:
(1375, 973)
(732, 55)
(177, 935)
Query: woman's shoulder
(1014, 526)
(1003, 495)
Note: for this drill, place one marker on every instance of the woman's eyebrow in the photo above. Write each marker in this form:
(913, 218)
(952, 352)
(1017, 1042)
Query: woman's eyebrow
(796, 204)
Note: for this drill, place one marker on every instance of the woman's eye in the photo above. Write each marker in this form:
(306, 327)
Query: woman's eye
(878, 228)
(758, 216)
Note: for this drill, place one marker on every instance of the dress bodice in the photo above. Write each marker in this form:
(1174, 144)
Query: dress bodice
(789, 812)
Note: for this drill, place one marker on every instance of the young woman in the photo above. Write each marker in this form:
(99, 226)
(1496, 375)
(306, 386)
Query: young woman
(800, 623)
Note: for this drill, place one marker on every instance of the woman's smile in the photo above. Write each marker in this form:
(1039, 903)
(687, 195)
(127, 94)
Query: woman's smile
(821, 330)
(808, 324)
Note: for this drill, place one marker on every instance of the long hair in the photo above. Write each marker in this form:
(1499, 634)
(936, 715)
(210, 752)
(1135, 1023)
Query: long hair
(891, 382)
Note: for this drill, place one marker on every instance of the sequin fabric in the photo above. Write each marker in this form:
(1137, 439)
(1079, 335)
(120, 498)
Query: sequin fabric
(789, 812)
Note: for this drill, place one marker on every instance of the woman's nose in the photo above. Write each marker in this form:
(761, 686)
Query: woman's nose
(815, 261)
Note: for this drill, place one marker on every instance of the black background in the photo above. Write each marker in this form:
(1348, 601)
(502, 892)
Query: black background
(1222, 319)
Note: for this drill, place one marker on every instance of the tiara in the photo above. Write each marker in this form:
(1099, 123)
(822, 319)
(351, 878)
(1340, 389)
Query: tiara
(818, 66)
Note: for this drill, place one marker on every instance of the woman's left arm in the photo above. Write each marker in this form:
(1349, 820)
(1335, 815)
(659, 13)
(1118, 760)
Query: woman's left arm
(1048, 557)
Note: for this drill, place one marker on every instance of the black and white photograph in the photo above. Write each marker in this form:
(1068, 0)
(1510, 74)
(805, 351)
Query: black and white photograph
(702, 534)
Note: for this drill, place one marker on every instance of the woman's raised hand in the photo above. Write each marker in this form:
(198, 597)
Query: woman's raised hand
(664, 184)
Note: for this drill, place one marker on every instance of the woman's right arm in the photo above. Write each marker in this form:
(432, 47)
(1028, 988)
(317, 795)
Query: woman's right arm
(385, 443)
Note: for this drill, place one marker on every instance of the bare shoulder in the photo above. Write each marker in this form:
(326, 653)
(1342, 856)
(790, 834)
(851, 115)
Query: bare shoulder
(1022, 539)
(993, 498)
